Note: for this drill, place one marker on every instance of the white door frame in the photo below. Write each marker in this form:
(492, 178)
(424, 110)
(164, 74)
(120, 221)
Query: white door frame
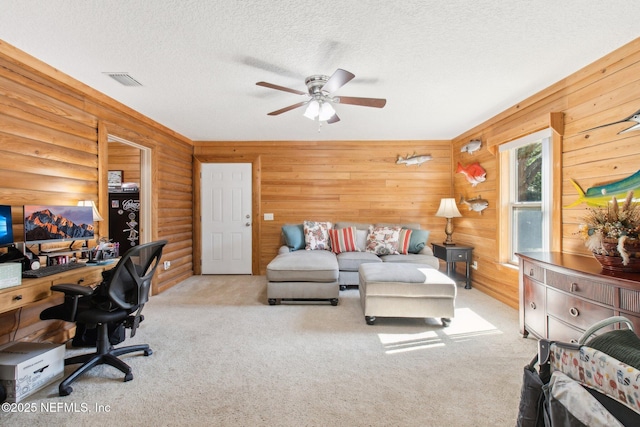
(256, 176)
(145, 187)
(227, 202)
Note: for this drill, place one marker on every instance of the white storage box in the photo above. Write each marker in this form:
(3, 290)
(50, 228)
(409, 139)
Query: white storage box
(10, 274)
(26, 367)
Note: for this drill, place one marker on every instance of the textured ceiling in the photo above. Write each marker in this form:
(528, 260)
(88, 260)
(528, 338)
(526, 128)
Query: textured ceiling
(443, 66)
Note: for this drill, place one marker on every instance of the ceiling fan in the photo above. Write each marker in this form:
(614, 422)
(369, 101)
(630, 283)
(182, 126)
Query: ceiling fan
(320, 98)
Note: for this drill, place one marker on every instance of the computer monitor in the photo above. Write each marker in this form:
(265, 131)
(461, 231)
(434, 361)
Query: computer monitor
(51, 224)
(6, 226)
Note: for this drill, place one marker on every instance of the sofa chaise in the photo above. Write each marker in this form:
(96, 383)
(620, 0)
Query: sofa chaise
(318, 259)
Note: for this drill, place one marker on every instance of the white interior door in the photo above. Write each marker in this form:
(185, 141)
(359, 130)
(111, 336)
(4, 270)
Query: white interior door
(226, 218)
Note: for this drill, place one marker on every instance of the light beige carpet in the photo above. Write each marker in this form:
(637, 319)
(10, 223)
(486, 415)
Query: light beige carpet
(223, 357)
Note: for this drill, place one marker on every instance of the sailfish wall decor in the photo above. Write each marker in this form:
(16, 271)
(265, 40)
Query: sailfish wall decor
(601, 195)
(635, 117)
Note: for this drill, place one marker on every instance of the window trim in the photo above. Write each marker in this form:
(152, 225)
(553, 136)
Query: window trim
(531, 124)
(507, 153)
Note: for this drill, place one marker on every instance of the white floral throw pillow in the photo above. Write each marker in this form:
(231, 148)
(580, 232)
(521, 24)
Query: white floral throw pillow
(383, 240)
(316, 235)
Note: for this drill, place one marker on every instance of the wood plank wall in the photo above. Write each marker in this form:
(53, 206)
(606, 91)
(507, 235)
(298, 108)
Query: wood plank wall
(603, 92)
(125, 158)
(50, 139)
(340, 181)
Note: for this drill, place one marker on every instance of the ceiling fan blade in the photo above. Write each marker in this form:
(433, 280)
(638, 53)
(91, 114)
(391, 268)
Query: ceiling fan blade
(333, 119)
(366, 102)
(285, 89)
(338, 79)
(289, 108)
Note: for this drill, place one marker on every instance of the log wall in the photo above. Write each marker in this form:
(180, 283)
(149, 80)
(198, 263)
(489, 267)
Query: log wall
(53, 146)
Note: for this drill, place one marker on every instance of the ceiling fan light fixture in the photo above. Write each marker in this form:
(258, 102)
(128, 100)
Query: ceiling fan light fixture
(326, 112)
(312, 110)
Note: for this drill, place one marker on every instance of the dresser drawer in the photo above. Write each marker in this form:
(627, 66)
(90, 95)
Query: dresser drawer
(560, 331)
(630, 300)
(533, 271)
(534, 307)
(585, 288)
(575, 311)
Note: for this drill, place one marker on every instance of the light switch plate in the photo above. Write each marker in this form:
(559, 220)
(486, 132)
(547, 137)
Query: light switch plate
(268, 217)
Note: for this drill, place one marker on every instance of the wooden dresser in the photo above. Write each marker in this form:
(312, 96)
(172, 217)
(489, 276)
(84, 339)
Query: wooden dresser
(561, 295)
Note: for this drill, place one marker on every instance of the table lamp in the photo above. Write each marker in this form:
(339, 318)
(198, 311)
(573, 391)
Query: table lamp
(96, 217)
(448, 209)
(91, 203)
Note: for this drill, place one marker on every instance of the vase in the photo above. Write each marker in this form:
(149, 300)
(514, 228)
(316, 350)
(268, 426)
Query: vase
(610, 259)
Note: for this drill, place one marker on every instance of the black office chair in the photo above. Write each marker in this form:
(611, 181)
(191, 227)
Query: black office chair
(118, 300)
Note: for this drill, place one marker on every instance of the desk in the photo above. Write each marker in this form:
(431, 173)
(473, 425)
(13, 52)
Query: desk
(452, 254)
(37, 290)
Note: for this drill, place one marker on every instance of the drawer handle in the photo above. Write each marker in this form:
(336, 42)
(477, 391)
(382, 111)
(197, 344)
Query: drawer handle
(532, 305)
(17, 298)
(531, 272)
(574, 312)
(574, 287)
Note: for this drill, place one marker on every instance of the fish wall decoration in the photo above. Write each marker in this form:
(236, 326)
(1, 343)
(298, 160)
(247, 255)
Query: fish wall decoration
(471, 146)
(414, 159)
(601, 195)
(635, 117)
(474, 173)
(477, 204)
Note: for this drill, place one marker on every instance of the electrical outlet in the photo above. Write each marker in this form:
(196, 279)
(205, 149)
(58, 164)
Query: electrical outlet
(167, 265)
(474, 265)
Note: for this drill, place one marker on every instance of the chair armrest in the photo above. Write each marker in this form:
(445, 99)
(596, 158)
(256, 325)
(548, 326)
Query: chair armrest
(73, 289)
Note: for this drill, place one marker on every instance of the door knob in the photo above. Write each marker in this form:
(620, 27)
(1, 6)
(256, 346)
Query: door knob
(248, 224)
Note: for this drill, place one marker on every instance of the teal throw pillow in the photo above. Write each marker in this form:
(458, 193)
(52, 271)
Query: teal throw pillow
(418, 240)
(294, 236)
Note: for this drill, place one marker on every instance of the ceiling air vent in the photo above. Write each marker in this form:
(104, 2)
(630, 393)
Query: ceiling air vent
(124, 79)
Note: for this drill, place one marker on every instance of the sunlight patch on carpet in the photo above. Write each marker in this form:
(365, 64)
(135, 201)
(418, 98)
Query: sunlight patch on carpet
(466, 325)
(400, 343)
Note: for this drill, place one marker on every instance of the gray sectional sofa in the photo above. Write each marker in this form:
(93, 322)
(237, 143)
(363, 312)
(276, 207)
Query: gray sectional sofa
(320, 273)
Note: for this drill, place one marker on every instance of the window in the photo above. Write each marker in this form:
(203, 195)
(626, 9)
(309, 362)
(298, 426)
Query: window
(527, 162)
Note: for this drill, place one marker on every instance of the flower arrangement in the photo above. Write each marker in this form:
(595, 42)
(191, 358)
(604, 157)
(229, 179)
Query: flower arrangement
(615, 224)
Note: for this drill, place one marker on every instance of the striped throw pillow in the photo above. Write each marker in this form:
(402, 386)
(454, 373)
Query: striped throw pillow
(343, 239)
(404, 241)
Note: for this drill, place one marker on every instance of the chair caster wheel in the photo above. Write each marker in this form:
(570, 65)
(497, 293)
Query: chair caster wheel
(272, 301)
(446, 321)
(148, 352)
(370, 319)
(334, 301)
(65, 391)
(128, 377)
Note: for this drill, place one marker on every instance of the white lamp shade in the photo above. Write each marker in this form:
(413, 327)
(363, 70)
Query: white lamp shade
(448, 209)
(312, 110)
(326, 112)
(96, 214)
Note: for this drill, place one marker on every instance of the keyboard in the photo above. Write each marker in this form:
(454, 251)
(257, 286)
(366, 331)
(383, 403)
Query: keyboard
(52, 269)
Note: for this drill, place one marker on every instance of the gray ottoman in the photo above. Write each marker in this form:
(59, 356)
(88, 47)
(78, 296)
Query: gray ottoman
(303, 275)
(391, 289)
